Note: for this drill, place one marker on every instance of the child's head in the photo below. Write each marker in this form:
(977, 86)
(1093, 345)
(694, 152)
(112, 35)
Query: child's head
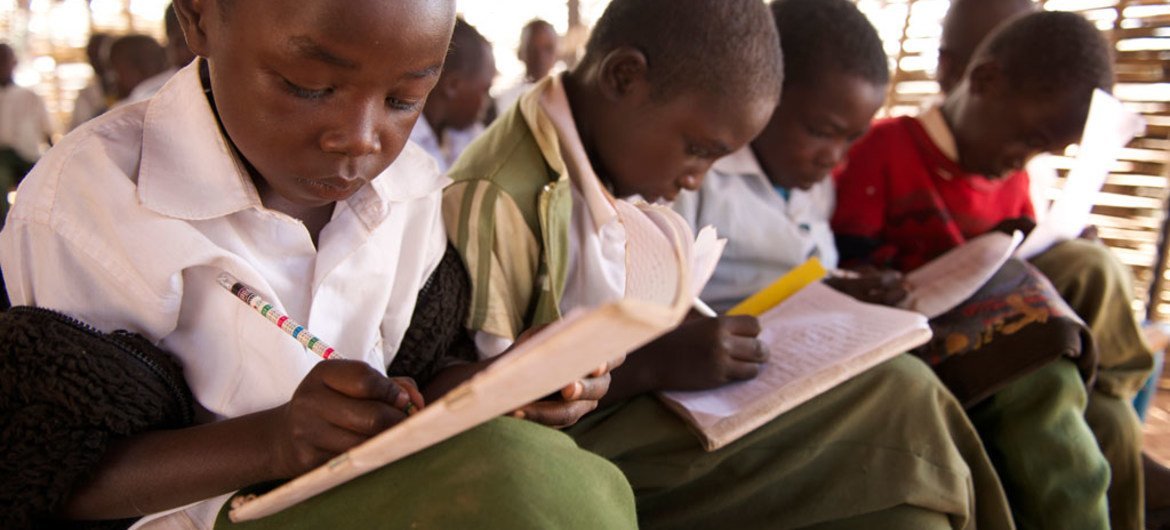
(538, 48)
(7, 64)
(460, 99)
(318, 96)
(967, 23)
(835, 77)
(134, 59)
(1027, 91)
(666, 87)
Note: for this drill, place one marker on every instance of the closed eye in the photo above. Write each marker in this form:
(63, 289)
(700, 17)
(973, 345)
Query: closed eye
(306, 93)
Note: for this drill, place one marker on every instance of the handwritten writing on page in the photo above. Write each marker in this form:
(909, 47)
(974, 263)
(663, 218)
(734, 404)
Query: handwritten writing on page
(817, 339)
(1109, 128)
(945, 282)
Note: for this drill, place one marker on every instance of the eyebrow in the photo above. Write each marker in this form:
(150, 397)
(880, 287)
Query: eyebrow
(308, 48)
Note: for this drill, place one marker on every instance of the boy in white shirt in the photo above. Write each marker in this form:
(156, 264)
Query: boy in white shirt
(24, 127)
(282, 158)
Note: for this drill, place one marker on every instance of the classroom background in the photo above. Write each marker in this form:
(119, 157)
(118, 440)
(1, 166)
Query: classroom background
(49, 38)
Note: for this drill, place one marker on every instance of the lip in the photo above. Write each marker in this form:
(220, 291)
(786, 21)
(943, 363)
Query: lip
(332, 188)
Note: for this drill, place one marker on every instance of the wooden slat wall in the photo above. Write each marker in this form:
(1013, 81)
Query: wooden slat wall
(1130, 211)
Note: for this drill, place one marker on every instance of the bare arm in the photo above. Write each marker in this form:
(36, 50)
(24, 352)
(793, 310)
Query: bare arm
(338, 405)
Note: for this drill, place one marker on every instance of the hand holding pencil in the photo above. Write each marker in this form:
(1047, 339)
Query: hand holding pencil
(338, 405)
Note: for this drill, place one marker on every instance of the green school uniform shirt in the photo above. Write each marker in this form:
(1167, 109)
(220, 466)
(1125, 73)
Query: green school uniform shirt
(508, 214)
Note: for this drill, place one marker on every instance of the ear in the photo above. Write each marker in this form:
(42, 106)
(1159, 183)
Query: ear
(623, 73)
(986, 78)
(193, 18)
(945, 71)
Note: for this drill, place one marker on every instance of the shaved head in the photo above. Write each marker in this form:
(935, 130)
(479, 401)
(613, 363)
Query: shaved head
(968, 23)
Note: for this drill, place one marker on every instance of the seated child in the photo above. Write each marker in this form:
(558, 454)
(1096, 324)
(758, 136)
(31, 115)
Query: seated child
(452, 114)
(916, 187)
(281, 157)
(1096, 285)
(667, 87)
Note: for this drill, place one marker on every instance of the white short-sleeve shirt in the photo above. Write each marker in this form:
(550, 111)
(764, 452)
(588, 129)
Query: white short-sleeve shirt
(24, 122)
(767, 235)
(126, 223)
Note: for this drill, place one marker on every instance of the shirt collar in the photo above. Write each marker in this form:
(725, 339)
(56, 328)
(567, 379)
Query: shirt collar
(546, 109)
(939, 132)
(190, 171)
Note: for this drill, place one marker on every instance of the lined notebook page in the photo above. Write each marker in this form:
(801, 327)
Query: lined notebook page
(948, 280)
(818, 338)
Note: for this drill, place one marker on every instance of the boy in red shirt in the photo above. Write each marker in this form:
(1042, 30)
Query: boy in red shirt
(914, 188)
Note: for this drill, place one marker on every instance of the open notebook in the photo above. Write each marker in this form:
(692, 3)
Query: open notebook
(818, 339)
(953, 277)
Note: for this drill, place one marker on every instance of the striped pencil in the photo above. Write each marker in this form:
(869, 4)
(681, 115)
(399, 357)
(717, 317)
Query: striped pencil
(274, 315)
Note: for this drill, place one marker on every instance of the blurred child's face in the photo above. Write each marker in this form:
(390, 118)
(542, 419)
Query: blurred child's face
(540, 52)
(655, 148)
(999, 130)
(469, 101)
(812, 129)
(320, 96)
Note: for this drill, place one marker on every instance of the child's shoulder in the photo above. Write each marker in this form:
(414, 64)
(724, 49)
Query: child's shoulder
(507, 155)
(96, 163)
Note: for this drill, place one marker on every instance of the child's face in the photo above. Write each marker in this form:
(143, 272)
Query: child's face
(469, 99)
(320, 96)
(812, 129)
(540, 52)
(999, 130)
(656, 148)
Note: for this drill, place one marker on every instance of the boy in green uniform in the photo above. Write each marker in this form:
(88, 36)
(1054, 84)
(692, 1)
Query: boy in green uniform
(665, 89)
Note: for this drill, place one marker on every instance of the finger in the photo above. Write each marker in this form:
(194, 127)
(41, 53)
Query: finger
(741, 325)
(557, 414)
(414, 397)
(331, 440)
(747, 350)
(358, 380)
(588, 389)
(367, 417)
(890, 279)
(740, 371)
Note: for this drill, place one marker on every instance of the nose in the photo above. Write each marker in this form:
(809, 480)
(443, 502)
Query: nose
(831, 155)
(355, 133)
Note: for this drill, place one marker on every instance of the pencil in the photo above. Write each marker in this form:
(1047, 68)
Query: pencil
(297, 331)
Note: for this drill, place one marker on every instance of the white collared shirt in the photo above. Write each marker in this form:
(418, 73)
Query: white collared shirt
(767, 235)
(126, 223)
(445, 150)
(24, 122)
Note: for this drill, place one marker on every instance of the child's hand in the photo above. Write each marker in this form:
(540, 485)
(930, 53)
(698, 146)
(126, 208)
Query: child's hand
(885, 287)
(338, 405)
(1009, 226)
(706, 353)
(576, 400)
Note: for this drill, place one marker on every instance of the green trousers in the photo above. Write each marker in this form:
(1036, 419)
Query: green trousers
(506, 474)
(1035, 431)
(1099, 288)
(890, 448)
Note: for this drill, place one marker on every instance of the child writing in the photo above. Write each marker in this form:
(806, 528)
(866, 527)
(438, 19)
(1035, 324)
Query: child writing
(667, 87)
(916, 187)
(281, 158)
(1098, 287)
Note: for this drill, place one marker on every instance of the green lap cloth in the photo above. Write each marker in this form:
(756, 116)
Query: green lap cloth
(1099, 288)
(890, 447)
(1035, 432)
(506, 474)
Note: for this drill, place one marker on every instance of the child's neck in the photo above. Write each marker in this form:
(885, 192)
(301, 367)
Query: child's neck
(582, 99)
